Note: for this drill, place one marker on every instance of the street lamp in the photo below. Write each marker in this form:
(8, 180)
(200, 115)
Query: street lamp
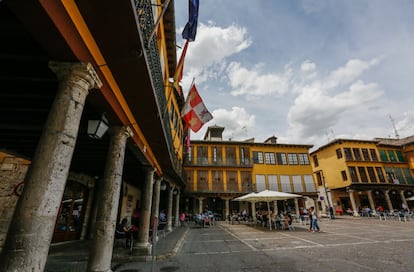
(97, 128)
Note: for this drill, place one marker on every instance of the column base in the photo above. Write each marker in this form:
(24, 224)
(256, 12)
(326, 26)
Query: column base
(142, 249)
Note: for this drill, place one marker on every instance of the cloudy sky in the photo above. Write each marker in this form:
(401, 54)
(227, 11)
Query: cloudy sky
(305, 71)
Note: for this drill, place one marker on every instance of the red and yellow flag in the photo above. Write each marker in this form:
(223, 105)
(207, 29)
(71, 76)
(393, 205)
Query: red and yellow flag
(178, 75)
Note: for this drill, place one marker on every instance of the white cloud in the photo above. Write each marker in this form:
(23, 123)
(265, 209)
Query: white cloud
(237, 122)
(252, 83)
(348, 73)
(308, 66)
(320, 106)
(206, 56)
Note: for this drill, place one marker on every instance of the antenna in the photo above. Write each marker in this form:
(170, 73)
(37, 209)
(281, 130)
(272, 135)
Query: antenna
(395, 129)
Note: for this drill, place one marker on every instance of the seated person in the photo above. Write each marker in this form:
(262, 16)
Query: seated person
(123, 231)
(162, 216)
(349, 211)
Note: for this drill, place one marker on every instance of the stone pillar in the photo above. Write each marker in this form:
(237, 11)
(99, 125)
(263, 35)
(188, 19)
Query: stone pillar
(226, 208)
(155, 207)
(297, 207)
(88, 211)
(275, 205)
(143, 246)
(200, 205)
(177, 209)
(169, 209)
(31, 229)
(352, 198)
(253, 212)
(100, 254)
(387, 198)
(403, 200)
(371, 201)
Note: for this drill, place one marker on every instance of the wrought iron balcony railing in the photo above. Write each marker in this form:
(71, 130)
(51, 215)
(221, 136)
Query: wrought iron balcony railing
(150, 49)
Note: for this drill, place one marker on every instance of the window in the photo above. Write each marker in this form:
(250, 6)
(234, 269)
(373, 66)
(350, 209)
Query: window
(353, 173)
(380, 174)
(260, 183)
(217, 178)
(246, 181)
(232, 183)
(293, 158)
(309, 183)
(348, 154)
(365, 154)
(371, 174)
(217, 157)
(319, 178)
(399, 175)
(383, 155)
(363, 174)
(339, 153)
(281, 158)
(285, 183)
(297, 184)
(407, 175)
(303, 159)
(374, 156)
(244, 156)
(231, 156)
(391, 155)
(257, 157)
(357, 154)
(272, 179)
(315, 160)
(190, 180)
(202, 181)
(400, 156)
(190, 154)
(202, 155)
(344, 176)
(270, 158)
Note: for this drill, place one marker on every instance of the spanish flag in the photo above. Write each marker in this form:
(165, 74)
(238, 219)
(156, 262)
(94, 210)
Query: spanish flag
(178, 75)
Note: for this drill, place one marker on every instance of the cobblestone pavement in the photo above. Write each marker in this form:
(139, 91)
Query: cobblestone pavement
(344, 244)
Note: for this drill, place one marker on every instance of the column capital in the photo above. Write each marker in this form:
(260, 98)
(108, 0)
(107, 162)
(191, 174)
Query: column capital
(74, 72)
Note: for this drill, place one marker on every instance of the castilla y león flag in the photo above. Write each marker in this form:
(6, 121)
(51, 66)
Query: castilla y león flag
(194, 112)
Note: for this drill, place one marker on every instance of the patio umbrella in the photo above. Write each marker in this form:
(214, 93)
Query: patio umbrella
(243, 197)
(267, 196)
(410, 198)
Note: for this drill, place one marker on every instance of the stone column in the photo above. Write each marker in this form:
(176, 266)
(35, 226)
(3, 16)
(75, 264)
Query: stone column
(100, 254)
(275, 205)
(226, 208)
(353, 204)
(297, 207)
(371, 201)
(200, 205)
(31, 229)
(142, 246)
(155, 208)
(403, 200)
(177, 209)
(254, 212)
(387, 198)
(88, 211)
(169, 209)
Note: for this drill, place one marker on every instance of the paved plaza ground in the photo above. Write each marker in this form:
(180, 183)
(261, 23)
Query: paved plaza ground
(344, 244)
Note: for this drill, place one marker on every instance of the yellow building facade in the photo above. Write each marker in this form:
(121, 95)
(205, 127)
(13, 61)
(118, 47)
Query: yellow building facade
(355, 175)
(219, 171)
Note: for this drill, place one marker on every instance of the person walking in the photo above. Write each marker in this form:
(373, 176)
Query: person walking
(314, 216)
